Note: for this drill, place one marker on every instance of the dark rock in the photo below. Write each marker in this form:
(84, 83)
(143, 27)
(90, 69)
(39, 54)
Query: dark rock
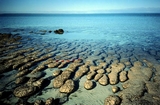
(59, 31)
(50, 31)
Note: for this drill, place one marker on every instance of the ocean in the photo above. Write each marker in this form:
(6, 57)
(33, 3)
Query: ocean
(94, 38)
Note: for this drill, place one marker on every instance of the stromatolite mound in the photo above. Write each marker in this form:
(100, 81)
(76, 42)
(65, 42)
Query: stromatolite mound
(115, 89)
(102, 71)
(50, 101)
(72, 67)
(67, 87)
(22, 73)
(56, 72)
(38, 102)
(97, 77)
(112, 100)
(53, 64)
(113, 78)
(59, 31)
(123, 76)
(116, 67)
(88, 84)
(90, 75)
(82, 70)
(133, 90)
(103, 80)
(59, 80)
(24, 91)
(21, 80)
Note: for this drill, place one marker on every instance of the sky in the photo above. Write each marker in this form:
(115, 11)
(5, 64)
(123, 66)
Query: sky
(79, 6)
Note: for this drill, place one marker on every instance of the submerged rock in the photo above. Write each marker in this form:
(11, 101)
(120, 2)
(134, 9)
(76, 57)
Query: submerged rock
(115, 89)
(59, 80)
(103, 80)
(112, 100)
(88, 84)
(123, 76)
(56, 72)
(68, 86)
(97, 77)
(113, 78)
(24, 91)
(50, 101)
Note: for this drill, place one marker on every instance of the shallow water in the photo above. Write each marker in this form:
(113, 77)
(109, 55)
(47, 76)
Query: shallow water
(111, 38)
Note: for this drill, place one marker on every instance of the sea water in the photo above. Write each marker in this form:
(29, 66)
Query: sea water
(88, 26)
(122, 37)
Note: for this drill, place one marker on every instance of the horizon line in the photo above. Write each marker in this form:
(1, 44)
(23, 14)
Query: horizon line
(80, 13)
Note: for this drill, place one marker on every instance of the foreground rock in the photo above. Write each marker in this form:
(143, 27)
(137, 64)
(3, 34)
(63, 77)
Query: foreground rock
(59, 80)
(103, 80)
(88, 85)
(112, 100)
(24, 91)
(68, 87)
(113, 78)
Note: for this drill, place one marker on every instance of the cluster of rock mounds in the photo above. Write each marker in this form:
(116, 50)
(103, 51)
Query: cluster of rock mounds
(43, 32)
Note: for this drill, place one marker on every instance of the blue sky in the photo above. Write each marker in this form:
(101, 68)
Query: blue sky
(79, 6)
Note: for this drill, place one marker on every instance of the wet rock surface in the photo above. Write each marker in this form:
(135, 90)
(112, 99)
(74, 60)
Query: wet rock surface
(67, 87)
(112, 100)
(24, 91)
(88, 84)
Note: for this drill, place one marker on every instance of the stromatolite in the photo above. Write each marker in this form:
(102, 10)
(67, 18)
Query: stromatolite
(67, 87)
(112, 100)
(88, 84)
(123, 76)
(56, 72)
(24, 91)
(59, 80)
(82, 70)
(97, 77)
(103, 80)
(113, 78)
(91, 75)
(50, 101)
(115, 89)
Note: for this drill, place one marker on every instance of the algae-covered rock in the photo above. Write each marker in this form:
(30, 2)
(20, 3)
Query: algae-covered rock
(113, 78)
(24, 91)
(123, 76)
(88, 84)
(50, 101)
(112, 100)
(103, 80)
(67, 87)
(91, 75)
(59, 80)
(56, 72)
(115, 89)
(97, 77)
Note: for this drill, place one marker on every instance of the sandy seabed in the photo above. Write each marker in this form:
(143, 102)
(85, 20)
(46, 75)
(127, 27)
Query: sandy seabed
(37, 69)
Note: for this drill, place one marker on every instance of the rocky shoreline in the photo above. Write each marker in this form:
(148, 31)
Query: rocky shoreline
(28, 67)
